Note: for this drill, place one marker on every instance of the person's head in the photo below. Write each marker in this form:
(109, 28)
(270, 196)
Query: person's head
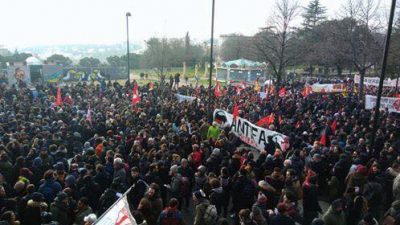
(215, 183)
(62, 197)
(198, 196)
(83, 203)
(90, 219)
(173, 203)
(48, 175)
(244, 215)
(144, 204)
(337, 205)
(135, 172)
(153, 189)
(8, 216)
(184, 163)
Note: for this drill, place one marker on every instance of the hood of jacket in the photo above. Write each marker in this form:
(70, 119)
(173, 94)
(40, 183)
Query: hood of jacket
(218, 190)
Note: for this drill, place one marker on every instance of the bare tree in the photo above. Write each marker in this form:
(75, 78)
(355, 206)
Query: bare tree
(275, 42)
(362, 32)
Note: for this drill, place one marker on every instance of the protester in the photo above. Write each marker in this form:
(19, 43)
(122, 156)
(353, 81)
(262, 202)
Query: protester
(52, 156)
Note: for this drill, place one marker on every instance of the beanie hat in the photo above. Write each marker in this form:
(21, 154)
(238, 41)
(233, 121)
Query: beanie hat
(199, 194)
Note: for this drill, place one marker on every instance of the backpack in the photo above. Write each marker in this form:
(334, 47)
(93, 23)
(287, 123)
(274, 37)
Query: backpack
(210, 216)
(185, 186)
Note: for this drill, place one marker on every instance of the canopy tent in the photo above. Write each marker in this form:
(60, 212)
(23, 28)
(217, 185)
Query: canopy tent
(241, 70)
(242, 63)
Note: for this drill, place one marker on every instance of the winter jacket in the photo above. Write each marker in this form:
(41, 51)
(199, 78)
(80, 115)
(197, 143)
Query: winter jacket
(49, 189)
(331, 217)
(199, 213)
(216, 198)
(282, 220)
(32, 214)
(60, 213)
(81, 215)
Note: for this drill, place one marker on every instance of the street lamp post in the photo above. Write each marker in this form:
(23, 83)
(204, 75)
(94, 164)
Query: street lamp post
(383, 72)
(128, 14)
(211, 62)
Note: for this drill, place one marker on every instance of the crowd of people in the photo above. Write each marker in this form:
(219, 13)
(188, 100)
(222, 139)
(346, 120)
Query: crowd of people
(68, 164)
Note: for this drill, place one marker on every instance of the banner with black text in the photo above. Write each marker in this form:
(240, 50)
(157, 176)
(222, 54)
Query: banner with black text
(249, 133)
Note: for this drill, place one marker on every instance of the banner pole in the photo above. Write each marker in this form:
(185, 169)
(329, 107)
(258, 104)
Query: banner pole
(126, 192)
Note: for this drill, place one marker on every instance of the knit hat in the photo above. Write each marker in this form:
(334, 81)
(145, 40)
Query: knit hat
(361, 169)
(199, 194)
(91, 218)
(37, 197)
(61, 196)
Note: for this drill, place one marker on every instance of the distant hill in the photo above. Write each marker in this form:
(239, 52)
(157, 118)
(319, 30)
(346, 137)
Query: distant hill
(75, 52)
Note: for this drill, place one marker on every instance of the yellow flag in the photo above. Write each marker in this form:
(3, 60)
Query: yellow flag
(257, 87)
(344, 93)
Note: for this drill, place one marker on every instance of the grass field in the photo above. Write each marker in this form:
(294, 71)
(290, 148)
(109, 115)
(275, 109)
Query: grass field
(154, 77)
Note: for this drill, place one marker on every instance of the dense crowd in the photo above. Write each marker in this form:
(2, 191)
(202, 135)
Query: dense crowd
(64, 165)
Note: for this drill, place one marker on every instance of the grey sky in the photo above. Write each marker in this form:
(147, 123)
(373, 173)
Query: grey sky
(48, 22)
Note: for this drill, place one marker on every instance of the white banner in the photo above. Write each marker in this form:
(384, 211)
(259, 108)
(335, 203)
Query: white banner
(249, 133)
(374, 81)
(392, 104)
(118, 214)
(182, 98)
(328, 88)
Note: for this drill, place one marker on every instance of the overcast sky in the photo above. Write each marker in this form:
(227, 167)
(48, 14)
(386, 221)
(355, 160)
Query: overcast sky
(49, 22)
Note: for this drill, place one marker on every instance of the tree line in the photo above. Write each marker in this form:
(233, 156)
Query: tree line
(353, 40)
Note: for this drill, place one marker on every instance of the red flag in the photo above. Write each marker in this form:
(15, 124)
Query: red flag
(58, 98)
(323, 138)
(334, 126)
(89, 114)
(135, 96)
(217, 90)
(235, 111)
(306, 91)
(282, 92)
(266, 120)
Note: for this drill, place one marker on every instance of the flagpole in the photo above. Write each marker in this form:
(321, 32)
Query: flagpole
(383, 73)
(211, 63)
(123, 196)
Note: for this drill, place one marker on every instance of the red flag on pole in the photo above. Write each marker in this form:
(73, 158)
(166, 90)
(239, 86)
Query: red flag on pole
(282, 92)
(135, 96)
(235, 111)
(217, 90)
(58, 98)
(266, 120)
(334, 126)
(323, 138)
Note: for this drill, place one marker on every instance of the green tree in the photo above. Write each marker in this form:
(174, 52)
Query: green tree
(89, 62)
(59, 60)
(314, 14)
